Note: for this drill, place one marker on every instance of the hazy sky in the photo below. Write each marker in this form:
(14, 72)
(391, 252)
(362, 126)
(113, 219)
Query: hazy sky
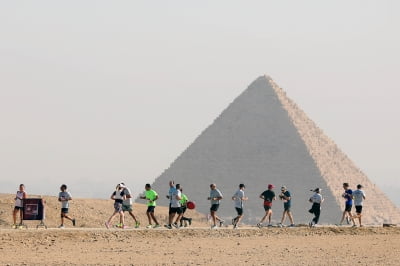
(96, 92)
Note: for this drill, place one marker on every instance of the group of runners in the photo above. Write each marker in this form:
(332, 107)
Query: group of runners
(357, 197)
(178, 204)
(239, 198)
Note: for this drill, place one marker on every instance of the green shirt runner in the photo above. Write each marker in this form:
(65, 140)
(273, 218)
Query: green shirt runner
(150, 196)
(184, 199)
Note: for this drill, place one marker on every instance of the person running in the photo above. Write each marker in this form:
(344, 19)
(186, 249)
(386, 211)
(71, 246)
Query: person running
(175, 207)
(268, 196)
(171, 191)
(19, 205)
(184, 220)
(348, 195)
(238, 199)
(127, 205)
(287, 199)
(359, 197)
(215, 199)
(64, 197)
(152, 197)
(118, 196)
(316, 200)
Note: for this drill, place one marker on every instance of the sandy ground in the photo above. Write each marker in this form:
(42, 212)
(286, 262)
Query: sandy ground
(201, 246)
(90, 243)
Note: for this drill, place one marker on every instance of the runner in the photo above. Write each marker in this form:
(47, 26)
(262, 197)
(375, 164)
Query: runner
(175, 207)
(238, 199)
(170, 192)
(215, 199)
(151, 196)
(287, 203)
(316, 200)
(268, 196)
(127, 205)
(64, 197)
(19, 207)
(184, 220)
(118, 196)
(348, 195)
(359, 197)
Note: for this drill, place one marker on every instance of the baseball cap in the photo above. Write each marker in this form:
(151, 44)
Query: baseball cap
(270, 186)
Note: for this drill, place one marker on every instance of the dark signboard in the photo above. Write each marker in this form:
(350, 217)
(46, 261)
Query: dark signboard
(33, 209)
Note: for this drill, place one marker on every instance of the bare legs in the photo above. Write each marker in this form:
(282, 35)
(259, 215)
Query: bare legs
(15, 215)
(347, 214)
(121, 218)
(289, 214)
(268, 214)
(215, 217)
(151, 217)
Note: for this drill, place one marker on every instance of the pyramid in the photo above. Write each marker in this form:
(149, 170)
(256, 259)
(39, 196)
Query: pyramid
(264, 138)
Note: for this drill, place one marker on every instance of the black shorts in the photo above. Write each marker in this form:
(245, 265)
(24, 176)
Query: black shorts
(18, 208)
(64, 210)
(359, 209)
(177, 210)
(286, 207)
(267, 208)
(214, 207)
(150, 208)
(183, 209)
(347, 208)
(126, 208)
(239, 211)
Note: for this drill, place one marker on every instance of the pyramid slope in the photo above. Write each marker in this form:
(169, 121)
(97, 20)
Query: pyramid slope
(255, 142)
(336, 167)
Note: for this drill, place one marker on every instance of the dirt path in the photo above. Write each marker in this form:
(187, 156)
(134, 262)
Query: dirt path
(201, 246)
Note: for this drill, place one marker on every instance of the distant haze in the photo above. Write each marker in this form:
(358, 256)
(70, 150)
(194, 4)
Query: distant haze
(96, 92)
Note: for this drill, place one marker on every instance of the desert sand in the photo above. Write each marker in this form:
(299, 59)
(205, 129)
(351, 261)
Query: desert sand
(90, 243)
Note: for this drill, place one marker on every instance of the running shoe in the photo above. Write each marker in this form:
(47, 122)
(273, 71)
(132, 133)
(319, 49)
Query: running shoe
(149, 226)
(73, 222)
(14, 226)
(190, 221)
(157, 226)
(235, 226)
(137, 224)
(269, 225)
(280, 225)
(214, 227)
(221, 223)
(175, 225)
(259, 225)
(292, 225)
(124, 227)
(61, 226)
(168, 226)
